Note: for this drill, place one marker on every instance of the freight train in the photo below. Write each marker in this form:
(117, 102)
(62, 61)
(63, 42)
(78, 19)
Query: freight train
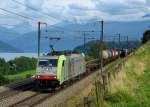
(57, 68)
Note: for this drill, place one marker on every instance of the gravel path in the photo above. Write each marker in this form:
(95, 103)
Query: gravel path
(30, 101)
(68, 92)
(31, 98)
(6, 102)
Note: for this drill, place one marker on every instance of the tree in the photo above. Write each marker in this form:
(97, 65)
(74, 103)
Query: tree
(4, 67)
(95, 48)
(22, 64)
(146, 36)
(3, 80)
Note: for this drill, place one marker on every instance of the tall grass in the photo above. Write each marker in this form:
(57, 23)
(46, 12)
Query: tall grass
(131, 87)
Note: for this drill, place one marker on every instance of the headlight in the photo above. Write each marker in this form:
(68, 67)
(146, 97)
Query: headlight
(37, 76)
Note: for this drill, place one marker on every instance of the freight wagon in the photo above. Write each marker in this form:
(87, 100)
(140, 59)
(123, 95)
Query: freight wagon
(110, 55)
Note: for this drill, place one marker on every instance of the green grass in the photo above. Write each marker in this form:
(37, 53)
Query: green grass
(20, 76)
(136, 81)
(119, 96)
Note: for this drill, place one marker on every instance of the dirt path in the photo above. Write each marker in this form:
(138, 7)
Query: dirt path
(73, 90)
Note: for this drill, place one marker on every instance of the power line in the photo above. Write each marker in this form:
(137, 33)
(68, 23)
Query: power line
(6, 25)
(33, 9)
(52, 38)
(17, 14)
(85, 38)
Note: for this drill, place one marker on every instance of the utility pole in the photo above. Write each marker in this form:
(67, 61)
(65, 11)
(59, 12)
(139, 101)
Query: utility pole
(84, 39)
(127, 42)
(39, 36)
(114, 43)
(101, 48)
(101, 62)
(119, 39)
(84, 36)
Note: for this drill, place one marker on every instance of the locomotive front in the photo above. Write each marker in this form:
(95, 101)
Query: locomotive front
(46, 72)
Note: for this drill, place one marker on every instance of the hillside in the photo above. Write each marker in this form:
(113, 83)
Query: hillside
(132, 44)
(131, 87)
(4, 47)
(7, 34)
(75, 39)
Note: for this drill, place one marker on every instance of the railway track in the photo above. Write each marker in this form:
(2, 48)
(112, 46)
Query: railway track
(17, 87)
(35, 99)
(39, 97)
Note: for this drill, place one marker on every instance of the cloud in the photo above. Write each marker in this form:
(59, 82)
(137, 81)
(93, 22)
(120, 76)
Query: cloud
(79, 10)
(146, 16)
(36, 4)
(116, 7)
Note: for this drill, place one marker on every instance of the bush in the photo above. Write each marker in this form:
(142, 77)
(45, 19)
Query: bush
(146, 36)
(3, 80)
(28, 75)
(22, 64)
(17, 65)
(4, 67)
(95, 48)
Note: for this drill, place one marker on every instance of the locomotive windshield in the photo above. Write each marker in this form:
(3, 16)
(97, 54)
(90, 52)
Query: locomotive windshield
(53, 62)
(49, 62)
(43, 63)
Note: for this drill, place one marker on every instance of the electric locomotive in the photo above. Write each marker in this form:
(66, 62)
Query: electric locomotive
(54, 69)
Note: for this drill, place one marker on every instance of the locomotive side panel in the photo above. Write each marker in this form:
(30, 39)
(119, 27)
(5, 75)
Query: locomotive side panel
(74, 66)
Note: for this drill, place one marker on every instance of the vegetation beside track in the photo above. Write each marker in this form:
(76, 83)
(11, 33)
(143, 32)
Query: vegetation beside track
(19, 64)
(5, 79)
(131, 87)
(20, 76)
(17, 69)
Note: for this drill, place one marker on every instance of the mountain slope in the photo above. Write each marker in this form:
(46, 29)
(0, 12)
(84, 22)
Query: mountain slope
(71, 38)
(23, 28)
(109, 45)
(7, 35)
(4, 47)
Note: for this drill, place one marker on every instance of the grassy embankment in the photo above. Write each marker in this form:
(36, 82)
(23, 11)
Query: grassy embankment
(20, 76)
(131, 87)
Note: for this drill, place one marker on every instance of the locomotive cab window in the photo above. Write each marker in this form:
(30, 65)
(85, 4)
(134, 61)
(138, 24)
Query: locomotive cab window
(53, 62)
(43, 63)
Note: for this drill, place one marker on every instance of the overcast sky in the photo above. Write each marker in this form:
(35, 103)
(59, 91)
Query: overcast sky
(75, 10)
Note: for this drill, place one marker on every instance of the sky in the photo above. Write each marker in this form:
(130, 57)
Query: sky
(77, 11)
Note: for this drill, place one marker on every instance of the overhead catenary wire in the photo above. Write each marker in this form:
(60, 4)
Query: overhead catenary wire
(6, 25)
(34, 9)
(11, 12)
(35, 20)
